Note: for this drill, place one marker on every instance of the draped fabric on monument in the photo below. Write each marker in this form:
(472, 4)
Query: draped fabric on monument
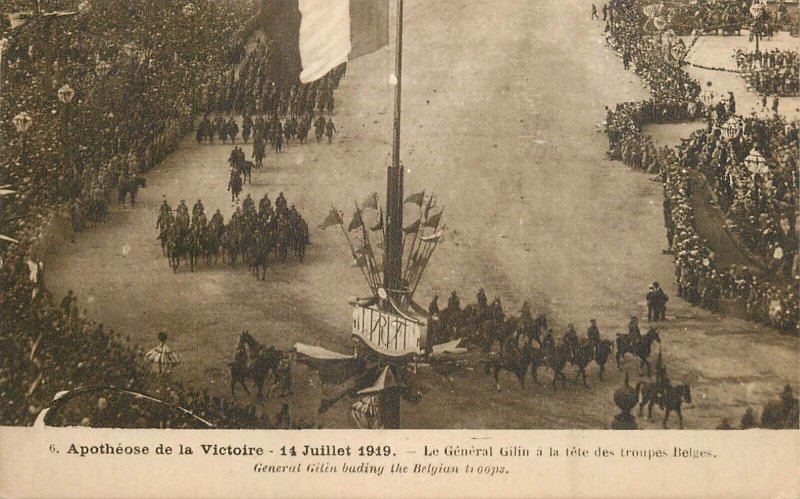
(314, 36)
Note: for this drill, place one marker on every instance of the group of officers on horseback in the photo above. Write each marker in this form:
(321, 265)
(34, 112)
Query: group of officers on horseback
(527, 341)
(251, 233)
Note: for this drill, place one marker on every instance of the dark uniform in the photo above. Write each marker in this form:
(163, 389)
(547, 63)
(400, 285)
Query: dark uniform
(593, 333)
(280, 204)
(248, 205)
(265, 206)
(633, 329)
(548, 342)
(330, 128)
(482, 303)
(182, 214)
(571, 338)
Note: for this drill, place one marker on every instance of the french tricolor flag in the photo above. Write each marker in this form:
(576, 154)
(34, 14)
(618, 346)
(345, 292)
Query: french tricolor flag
(335, 31)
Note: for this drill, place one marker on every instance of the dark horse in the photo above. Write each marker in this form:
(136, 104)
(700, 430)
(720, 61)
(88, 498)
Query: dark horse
(581, 355)
(253, 361)
(129, 185)
(555, 357)
(641, 348)
(667, 397)
(602, 351)
(510, 358)
(177, 246)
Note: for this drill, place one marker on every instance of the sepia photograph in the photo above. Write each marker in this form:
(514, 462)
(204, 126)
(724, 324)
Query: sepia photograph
(399, 214)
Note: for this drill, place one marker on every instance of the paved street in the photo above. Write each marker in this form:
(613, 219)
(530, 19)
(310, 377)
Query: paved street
(500, 113)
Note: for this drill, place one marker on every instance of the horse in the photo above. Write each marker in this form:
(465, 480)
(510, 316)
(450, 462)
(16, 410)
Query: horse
(253, 361)
(230, 244)
(212, 242)
(581, 355)
(165, 223)
(669, 398)
(195, 244)
(130, 186)
(641, 349)
(602, 351)
(235, 185)
(555, 357)
(176, 247)
(532, 329)
(259, 261)
(510, 358)
(245, 168)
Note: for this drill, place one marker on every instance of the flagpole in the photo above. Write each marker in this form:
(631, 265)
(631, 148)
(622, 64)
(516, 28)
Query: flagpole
(393, 249)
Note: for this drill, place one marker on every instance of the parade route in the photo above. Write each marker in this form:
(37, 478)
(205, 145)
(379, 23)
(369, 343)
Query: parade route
(502, 127)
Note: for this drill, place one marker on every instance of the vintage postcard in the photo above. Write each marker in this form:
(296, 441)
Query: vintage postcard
(521, 224)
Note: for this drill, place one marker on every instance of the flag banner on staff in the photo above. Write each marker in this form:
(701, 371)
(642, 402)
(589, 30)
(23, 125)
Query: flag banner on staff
(335, 31)
(333, 367)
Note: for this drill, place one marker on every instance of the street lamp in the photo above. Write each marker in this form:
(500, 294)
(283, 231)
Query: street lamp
(757, 10)
(66, 93)
(189, 10)
(732, 128)
(756, 163)
(22, 122)
(102, 69)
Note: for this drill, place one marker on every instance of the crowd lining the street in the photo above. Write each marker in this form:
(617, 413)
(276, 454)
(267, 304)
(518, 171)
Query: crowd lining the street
(132, 72)
(770, 72)
(763, 221)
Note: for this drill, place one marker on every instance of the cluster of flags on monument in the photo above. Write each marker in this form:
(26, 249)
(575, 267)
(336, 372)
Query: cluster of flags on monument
(420, 237)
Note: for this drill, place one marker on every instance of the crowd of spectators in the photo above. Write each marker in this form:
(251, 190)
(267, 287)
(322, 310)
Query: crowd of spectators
(134, 73)
(763, 221)
(771, 72)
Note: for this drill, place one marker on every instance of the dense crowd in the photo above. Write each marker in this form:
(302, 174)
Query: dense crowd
(771, 72)
(132, 71)
(763, 222)
(760, 207)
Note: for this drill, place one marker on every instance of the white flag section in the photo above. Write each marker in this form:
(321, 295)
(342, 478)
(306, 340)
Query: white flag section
(324, 36)
(333, 31)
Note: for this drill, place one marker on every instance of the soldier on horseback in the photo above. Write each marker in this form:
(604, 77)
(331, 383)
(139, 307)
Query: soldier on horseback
(634, 331)
(232, 128)
(248, 206)
(182, 215)
(280, 205)
(217, 220)
(235, 184)
(571, 338)
(593, 333)
(198, 209)
(548, 342)
(265, 207)
(163, 213)
(482, 303)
